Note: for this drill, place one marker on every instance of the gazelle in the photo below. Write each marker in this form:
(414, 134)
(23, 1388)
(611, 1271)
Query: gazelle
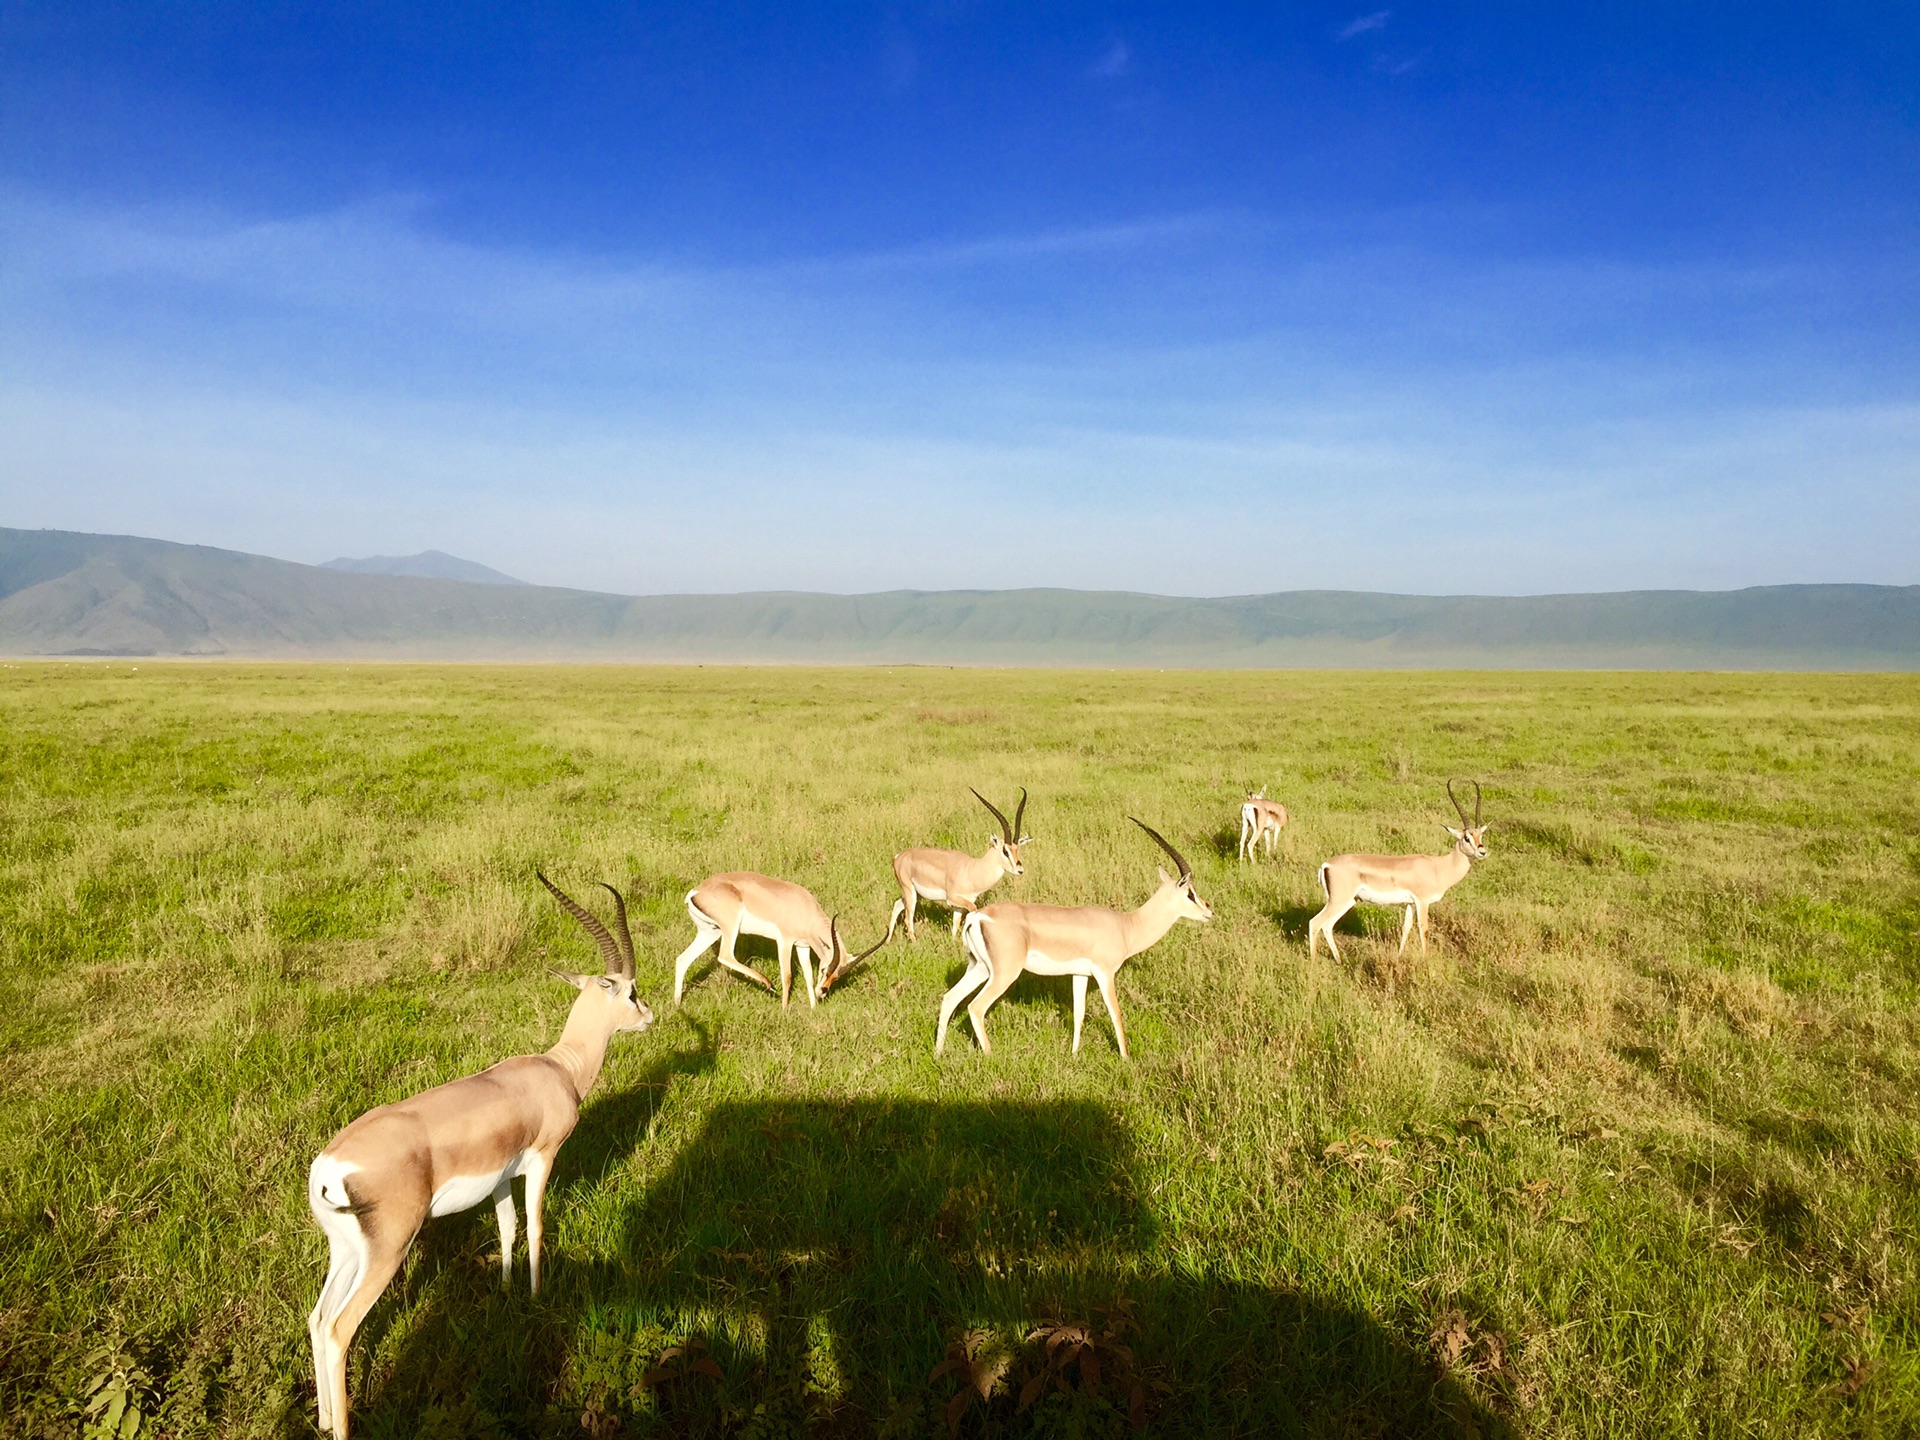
(451, 1147)
(1260, 818)
(1087, 942)
(1415, 881)
(953, 877)
(725, 907)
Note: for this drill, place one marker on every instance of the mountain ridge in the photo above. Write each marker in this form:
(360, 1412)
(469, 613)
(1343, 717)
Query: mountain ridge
(71, 593)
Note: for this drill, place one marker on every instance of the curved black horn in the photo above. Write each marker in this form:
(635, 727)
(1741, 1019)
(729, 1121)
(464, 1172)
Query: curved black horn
(833, 976)
(1465, 824)
(1020, 814)
(996, 814)
(1186, 870)
(1476, 803)
(620, 930)
(601, 935)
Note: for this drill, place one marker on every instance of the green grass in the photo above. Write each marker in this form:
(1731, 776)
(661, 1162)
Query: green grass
(1633, 1152)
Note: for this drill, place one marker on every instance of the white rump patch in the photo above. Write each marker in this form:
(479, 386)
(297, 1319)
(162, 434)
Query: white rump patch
(327, 1183)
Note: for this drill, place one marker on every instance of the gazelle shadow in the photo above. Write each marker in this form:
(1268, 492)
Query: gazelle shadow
(825, 1252)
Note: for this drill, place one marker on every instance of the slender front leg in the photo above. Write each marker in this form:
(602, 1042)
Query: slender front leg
(1423, 928)
(1406, 924)
(503, 1212)
(1079, 1009)
(786, 972)
(537, 1168)
(1109, 994)
(805, 954)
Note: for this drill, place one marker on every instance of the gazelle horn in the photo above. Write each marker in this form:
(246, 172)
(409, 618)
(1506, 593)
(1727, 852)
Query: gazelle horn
(833, 976)
(1186, 870)
(609, 947)
(620, 931)
(1004, 830)
(1460, 809)
(1020, 813)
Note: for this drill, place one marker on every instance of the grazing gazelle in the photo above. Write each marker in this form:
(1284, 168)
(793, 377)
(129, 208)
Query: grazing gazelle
(451, 1147)
(1086, 942)
(1260, 818)
(953, 877)
(725, 907)
(1415, 881)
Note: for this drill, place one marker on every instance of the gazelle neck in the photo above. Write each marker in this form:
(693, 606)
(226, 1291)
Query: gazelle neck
(1152, 920)
(582, 1047)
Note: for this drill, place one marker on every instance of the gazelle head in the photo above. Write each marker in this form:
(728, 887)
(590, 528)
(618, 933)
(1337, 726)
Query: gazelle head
(612, 992)
(1190, 905)
(1005, 847)
(842, 961)
(1472, 834)
(1259, 794)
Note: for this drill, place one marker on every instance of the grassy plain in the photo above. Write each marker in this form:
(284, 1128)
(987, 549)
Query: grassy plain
(1635, 1151)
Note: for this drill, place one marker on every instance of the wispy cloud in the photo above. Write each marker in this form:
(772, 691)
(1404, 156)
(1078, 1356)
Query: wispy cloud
(1360, 25)
(1114, 62)
(355, 381)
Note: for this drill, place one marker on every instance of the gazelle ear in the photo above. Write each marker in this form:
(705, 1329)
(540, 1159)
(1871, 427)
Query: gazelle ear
(579, 982)
(1456, 834)
(1165, 879)
(1024, 840)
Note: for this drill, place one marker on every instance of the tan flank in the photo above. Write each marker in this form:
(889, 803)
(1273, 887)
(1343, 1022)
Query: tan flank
(1087, 942)
(1415, 881)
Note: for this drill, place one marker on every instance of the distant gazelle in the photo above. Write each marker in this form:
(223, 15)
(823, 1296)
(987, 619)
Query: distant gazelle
(1089, 943)
(1260, 818)
(451, 1147)
(953, 877)
(725, 907)
(1415, 881)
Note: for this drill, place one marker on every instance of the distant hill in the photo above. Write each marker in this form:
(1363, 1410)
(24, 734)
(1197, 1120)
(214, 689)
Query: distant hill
(63, 593)
(427, 565)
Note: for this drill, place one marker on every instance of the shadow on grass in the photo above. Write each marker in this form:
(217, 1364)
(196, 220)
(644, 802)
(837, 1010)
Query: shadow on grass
(824, 1254)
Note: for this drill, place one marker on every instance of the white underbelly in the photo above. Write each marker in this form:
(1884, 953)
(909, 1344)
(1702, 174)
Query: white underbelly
(1040, 964)
(463, 1192)
(1384, 897)
(765, 929)
(929, 892)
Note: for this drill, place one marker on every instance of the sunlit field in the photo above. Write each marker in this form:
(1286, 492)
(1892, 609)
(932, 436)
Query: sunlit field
(1632, 1151)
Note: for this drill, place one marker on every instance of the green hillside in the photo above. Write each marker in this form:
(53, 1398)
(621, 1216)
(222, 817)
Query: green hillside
(63, 593)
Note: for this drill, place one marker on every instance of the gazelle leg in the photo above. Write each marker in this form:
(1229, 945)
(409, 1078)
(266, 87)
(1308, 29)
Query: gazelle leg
(382, 1261)
(1240, 851)
(1406, 924)
(703, 939)
(977, 975)
(1079, 1009)
(959, 917)
(1109, 994)
(503, 1212)
(805, 954)
(344, 1262)
(537, 1168)
(1423, 929)
(903, 906)
(726, 958)
(786, 972)
(984, 1001)
(1322, 924)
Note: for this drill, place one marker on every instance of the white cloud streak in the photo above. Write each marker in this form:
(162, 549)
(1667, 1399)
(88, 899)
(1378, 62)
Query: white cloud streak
(1022, 410)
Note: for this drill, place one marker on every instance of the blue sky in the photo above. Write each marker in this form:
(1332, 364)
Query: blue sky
(1201, 300)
